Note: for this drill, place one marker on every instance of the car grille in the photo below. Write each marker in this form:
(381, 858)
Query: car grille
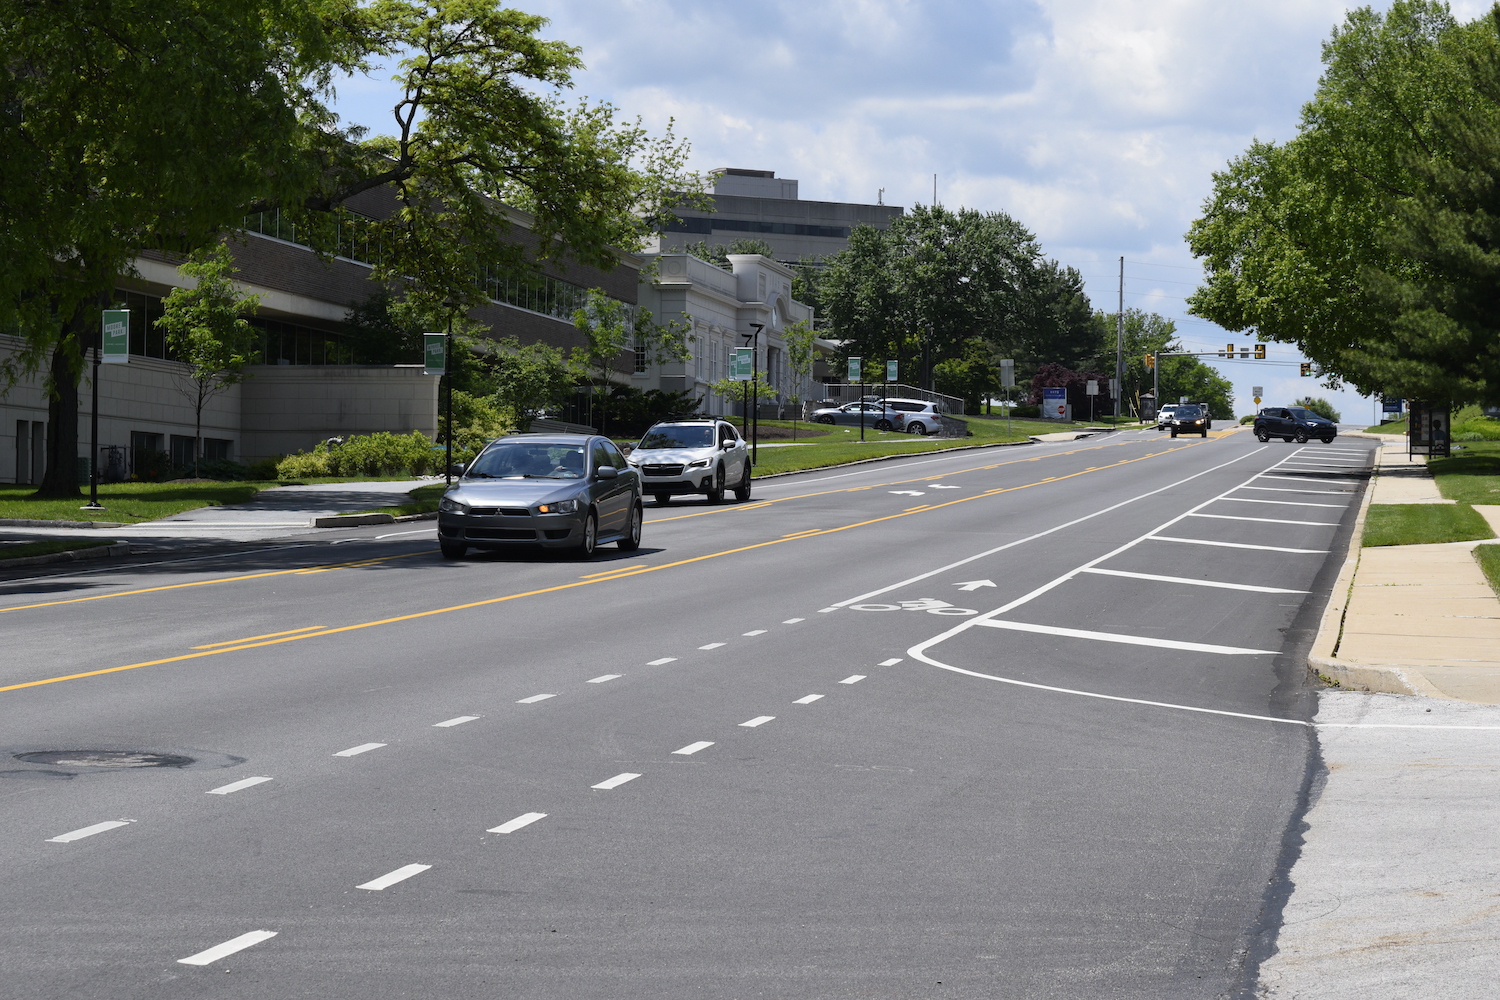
(502, 534)
(662, 470)
(503, 511)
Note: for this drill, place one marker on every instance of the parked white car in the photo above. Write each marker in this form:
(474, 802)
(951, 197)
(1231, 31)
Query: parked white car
(921, 416)
(693, 456)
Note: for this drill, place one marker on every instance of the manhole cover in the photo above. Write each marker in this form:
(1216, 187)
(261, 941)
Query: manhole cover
(104, 758)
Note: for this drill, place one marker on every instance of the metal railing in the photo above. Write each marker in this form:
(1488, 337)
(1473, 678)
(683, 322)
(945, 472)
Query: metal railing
(846, 392)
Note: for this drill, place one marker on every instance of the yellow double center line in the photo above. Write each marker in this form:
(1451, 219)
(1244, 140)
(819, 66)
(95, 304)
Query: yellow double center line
(604, 577)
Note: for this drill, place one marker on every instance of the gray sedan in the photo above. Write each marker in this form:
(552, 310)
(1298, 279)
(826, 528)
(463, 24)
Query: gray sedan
(873, 415)
(555, 491)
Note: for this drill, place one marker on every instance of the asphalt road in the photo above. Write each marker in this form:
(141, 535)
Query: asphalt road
(935, 727)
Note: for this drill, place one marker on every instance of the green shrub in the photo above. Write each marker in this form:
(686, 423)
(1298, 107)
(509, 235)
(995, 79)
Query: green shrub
(304, 465)
(263, 469)
(382, 454)
(1249, 418)
(1023, 412)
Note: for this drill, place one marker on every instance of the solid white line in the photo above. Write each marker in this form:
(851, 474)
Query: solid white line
(399, 875)
(512, 825)
(793, 621)
(824, 611)
(807, 699)
(662, 662)
(759, 631)
(235, 786)
(398, 534)
(89, 831)
(460, 720)
(853, 679)
(759, 720)
(1195, 583)
(1040, 534)
(1269, 520)
(1128, 640)
(616, 781)
(693, 748)
(712, 645)
(1301, 479)
(1285, 503)
(356, 751)
(534, 699)
(891, 662)
(1237, 545)
(218, 951)
(1283, 489)
(605, 677)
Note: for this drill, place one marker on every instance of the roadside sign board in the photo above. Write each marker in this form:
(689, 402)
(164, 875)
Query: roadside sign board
(1054, 402)
(1257, 391)
(1007, 373)
(116, 337)
(892, 370)
(742, 367)
(1391, 404)
(854, 370)
(434, 353)
(1091, 387)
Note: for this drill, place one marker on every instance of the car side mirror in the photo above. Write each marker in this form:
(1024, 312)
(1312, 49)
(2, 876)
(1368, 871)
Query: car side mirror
(457, 468)
(607, 472)
(727, 446)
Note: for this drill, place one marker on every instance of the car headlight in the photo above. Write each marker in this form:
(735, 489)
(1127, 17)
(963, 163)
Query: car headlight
(449, 506)
(559, 507)
(702, 463)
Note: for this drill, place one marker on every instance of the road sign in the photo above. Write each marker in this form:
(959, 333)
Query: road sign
(1091, 387)
(742, 366)
(434, 353)
(1114, 388)
(1007, 373)
(854, 370)
(892, 369)
(1257, 392)
(116, 336)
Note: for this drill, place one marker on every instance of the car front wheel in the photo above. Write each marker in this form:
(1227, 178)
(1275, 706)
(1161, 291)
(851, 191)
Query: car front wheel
(882, 425)
(716, 493)
(632, 541)
(1262, 437)
(661, 499)
(590, 540)
(1302, 437)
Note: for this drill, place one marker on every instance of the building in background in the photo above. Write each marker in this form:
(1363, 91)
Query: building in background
(756, 204)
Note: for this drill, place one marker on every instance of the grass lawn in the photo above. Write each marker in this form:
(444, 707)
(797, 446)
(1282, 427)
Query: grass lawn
(1489, 561)
(1424, 524)
(423, 500)
(127, 503)
(22, 549)
(1394, 427)
(1471, 475)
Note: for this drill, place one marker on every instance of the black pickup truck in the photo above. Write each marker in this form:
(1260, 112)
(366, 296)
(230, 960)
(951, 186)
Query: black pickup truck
(1293, 423)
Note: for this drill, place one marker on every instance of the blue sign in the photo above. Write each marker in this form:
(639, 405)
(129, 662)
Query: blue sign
(1391, 405)
(1055, 402)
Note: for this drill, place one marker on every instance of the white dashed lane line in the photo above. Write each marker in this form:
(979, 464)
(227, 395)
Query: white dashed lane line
(89, 831)
(511, 826)
(793, 621)
(662, 662)
(891, 662)
(228, 948)
(1196, 583)
(534, 699)
(759, 631)
(759, 720)
(693, 748)
(399, 875)
(602, 678)
(853, 679)
(362, 748)
(458, 721)
(712, 645)
(1235, 545)
(616, 781)
(235, 786)
(807, 699)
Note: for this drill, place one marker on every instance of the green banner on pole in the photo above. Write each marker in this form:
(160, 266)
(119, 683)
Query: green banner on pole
(434, 353)
(116, 337)
(742, 367)
(891, 370)
(854, 370)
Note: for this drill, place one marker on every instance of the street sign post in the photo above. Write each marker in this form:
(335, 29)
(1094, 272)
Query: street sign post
(1007, 382)
(1257, 392)
(892, 369)
(1091, 389)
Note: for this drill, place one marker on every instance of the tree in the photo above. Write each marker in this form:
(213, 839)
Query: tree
(530, 378)
(1320, 406)
(972, 376)
(207, 331)
(1364, 239)
(744, 391)
(610, 327)
(718, 254)
(127, 127)
(1150, 333)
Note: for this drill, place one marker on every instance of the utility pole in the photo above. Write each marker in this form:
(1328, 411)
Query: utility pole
(1120, 345)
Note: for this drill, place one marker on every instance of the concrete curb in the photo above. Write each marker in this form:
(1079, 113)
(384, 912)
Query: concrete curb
(350, 520)
(429, 515)
(71, 555)
(22, 522)
(1322, 657)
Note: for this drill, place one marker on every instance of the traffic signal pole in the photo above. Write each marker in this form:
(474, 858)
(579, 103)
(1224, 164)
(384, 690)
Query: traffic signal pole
(1120, 345)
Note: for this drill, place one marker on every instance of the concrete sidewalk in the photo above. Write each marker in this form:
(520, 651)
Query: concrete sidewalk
(1412, 619)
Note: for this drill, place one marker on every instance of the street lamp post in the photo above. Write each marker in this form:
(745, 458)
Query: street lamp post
(754, 389)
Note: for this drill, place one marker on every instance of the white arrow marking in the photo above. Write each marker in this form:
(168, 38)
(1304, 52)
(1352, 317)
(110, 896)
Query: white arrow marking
(974, 584)
(907, 493)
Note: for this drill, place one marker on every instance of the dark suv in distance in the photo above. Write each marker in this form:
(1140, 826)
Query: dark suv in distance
(1189, 418)
(1293, 423)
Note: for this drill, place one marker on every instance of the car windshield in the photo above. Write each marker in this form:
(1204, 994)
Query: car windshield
(1188, 413)
(1303, 414)
(528, 460)
(678, 436)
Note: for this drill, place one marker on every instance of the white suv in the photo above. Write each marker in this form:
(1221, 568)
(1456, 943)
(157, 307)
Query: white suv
(693, 456)
(921, 416)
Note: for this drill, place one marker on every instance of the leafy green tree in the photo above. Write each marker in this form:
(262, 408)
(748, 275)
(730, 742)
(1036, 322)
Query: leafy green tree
(610, 327)
(207, 331)
(530, 378)
(1151, 333)
(718, 254)
(971, 377)
(1320, 406)
(742, 391)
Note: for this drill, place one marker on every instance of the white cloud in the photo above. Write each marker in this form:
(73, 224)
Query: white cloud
(1097, 123)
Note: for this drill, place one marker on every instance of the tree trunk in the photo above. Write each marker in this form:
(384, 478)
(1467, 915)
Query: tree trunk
(60, 479)
(197, 430)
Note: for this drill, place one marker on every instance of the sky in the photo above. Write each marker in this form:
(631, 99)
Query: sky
(1096, 123)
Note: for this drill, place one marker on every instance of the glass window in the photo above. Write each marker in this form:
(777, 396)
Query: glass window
(528, 460)
(615, 458)
(678, 436)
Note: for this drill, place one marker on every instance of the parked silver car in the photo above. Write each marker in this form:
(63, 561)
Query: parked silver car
(919, 416)
(558, 491)
(869, 412)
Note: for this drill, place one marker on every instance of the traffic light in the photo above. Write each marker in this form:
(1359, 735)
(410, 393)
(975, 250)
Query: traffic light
(1260, 352)
(1306, 368)
(1150, 362)
(1229, 350)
